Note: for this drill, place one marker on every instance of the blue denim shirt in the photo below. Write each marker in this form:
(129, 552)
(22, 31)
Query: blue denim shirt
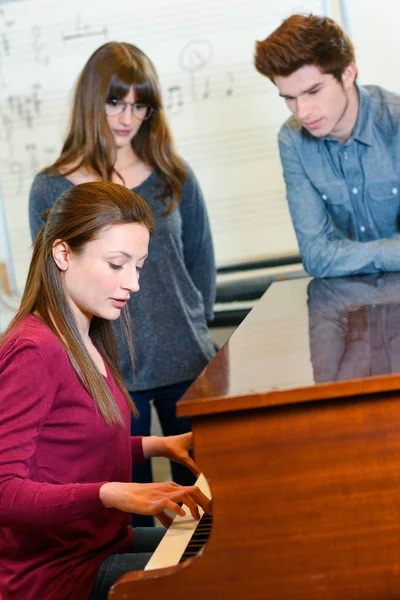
(344, 199)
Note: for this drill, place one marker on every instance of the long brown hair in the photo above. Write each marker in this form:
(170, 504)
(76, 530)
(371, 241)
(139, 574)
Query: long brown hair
(109, 73)
(77, 218)
(305, 40)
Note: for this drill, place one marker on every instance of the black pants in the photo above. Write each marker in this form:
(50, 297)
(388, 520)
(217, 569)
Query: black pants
(145, 541)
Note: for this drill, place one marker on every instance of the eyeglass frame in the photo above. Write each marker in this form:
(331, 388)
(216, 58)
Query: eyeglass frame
(124, 104)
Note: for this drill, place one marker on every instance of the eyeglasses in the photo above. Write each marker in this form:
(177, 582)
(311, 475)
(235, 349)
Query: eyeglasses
(139, 110)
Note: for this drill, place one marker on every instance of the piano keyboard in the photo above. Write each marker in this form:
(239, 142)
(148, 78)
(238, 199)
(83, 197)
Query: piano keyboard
(185, 537)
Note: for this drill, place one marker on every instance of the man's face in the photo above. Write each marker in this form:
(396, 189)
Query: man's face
(320, 102)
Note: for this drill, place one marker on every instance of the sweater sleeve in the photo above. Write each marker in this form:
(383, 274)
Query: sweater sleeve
(197, 242)
(137, 450)
(27, 392)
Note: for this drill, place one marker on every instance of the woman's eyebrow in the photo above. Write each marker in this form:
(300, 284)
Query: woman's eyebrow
(120, 252)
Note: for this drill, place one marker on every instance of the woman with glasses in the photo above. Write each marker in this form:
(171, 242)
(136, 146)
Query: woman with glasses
(119, 132)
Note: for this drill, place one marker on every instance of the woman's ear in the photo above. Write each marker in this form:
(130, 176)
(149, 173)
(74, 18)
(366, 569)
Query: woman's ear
(61, 254)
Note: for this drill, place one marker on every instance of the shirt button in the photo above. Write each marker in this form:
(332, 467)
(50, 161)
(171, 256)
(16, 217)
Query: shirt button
(394, 190)
(345, 156)
(324, 197)
(355, 190)
(362, 228)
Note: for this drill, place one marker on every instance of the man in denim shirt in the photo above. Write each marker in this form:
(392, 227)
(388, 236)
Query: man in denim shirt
(340, 150)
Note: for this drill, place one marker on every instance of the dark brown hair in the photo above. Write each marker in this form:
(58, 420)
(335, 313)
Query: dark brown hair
(304, 40)
(77, 218)
(109, 73)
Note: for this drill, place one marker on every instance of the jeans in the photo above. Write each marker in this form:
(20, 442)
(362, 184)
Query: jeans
(145, 541)
(165, 400)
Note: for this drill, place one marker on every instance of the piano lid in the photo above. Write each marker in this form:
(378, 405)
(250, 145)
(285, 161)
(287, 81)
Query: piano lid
(303, 336)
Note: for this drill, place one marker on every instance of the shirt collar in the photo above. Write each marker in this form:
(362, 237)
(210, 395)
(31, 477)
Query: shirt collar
(363, 128)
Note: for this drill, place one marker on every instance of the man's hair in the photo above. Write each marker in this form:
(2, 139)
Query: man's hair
(304, 40)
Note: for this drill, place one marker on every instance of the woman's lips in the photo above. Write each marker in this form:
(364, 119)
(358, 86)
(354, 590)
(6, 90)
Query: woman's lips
(118, 303)
(122, 132)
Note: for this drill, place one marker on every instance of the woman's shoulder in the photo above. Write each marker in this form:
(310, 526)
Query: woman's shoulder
(32, 336)
(49, 183)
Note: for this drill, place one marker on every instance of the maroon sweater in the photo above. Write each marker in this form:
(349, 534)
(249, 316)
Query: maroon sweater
(55, 453)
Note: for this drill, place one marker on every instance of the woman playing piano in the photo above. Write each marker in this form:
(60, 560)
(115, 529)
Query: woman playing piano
(65, 445)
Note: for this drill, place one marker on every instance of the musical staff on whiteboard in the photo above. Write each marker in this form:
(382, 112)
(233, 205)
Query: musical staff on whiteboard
(185, 89)
(237, 146)
(139, 25)
(223, 114)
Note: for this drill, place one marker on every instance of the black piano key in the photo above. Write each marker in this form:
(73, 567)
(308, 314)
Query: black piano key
(199, 537)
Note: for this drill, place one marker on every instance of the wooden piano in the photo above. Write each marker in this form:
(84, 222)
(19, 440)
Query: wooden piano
(296, 426)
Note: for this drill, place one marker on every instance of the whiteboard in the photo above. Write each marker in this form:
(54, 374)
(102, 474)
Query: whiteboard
(224, 115)
(374, 30)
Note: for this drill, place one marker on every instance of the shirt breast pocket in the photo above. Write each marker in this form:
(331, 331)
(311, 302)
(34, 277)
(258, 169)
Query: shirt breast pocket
(384, 203)
(337, 201)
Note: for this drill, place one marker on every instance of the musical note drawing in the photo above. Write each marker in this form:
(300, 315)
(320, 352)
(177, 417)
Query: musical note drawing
(231, 81)
(26, 108)
(50, 151)
(36, 101)
(174, 99)
(206, 91)
(194, 57)
(6, 129)
(17, 171)
(6, 36)
(38, 46)
(5, 48)
(34, 162)
(5, 44)
(83, 30)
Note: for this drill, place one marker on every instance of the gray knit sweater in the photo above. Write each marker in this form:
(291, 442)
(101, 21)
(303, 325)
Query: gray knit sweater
(177, 285)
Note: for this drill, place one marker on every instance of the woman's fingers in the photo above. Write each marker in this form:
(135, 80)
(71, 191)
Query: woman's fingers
(199, 498)
(191, 504)
(164, 518)
(192, 497)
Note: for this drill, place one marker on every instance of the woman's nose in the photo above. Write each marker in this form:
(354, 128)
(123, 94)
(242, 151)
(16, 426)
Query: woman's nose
(127, 116)
(132, 284)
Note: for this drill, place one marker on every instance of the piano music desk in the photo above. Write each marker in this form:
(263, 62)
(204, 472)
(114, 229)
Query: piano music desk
(305, 475)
